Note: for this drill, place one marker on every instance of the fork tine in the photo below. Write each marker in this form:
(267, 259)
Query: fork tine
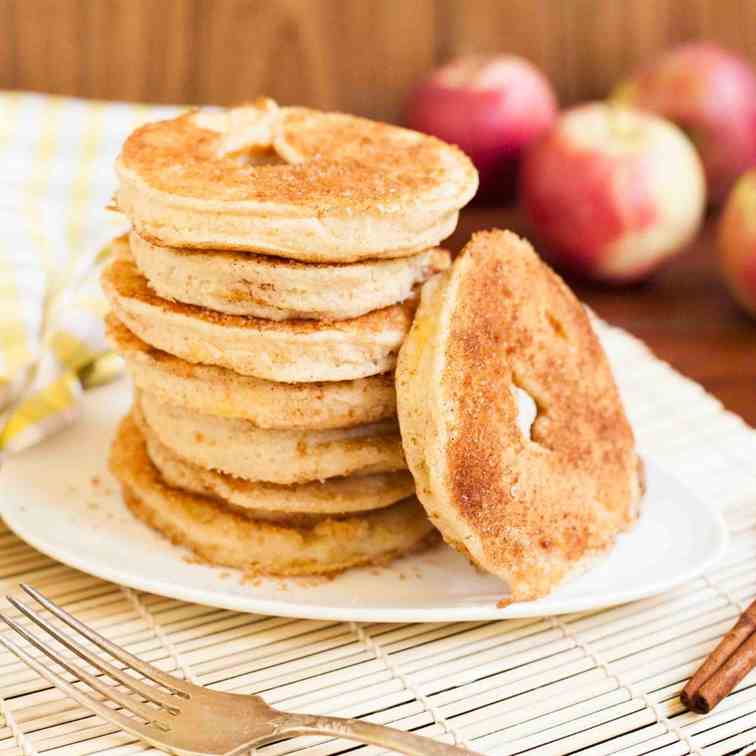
(149, 671)
(130, 703)
(149, 692)
(88, 702)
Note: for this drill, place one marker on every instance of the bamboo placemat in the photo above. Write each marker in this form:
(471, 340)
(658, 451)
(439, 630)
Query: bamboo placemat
(601, 682)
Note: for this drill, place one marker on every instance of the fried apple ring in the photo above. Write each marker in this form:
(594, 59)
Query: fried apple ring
(534, 504)
(291, 182)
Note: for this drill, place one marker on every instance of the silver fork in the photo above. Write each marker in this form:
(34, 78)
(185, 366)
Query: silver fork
(177, 716)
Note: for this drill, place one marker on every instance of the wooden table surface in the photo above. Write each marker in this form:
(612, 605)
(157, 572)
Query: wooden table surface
(684, 314)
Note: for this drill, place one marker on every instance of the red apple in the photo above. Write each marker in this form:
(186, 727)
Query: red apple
(711, 94)
(492, 108)
(737, 242)
(613, 191)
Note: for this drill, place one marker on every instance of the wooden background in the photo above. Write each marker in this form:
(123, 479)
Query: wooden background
(363, 56)
(360, 56)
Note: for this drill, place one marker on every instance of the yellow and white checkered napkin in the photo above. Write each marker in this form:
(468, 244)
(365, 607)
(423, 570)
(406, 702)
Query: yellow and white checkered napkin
(57, 158)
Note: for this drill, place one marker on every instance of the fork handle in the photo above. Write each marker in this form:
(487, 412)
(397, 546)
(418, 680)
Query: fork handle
(367, 732)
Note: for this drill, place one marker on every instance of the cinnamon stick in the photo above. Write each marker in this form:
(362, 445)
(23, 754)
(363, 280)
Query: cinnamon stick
(732, 659)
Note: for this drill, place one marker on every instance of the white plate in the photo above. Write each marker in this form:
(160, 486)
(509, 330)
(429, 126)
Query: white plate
(60, 498)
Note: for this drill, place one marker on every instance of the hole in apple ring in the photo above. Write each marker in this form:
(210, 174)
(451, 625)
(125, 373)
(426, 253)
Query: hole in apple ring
(527, 410)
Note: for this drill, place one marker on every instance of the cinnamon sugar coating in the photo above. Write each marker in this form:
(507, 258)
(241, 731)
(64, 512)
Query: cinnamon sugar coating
(533, 508)
(321, 187)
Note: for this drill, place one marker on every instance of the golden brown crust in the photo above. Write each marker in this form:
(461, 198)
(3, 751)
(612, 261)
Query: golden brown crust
(123, 276)
(345, 164)
(286, 457)
(291, 351)
(224, 535)
(259, 286)
(333, 497)
(330, 187)
(211, 390)
(529, 510)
